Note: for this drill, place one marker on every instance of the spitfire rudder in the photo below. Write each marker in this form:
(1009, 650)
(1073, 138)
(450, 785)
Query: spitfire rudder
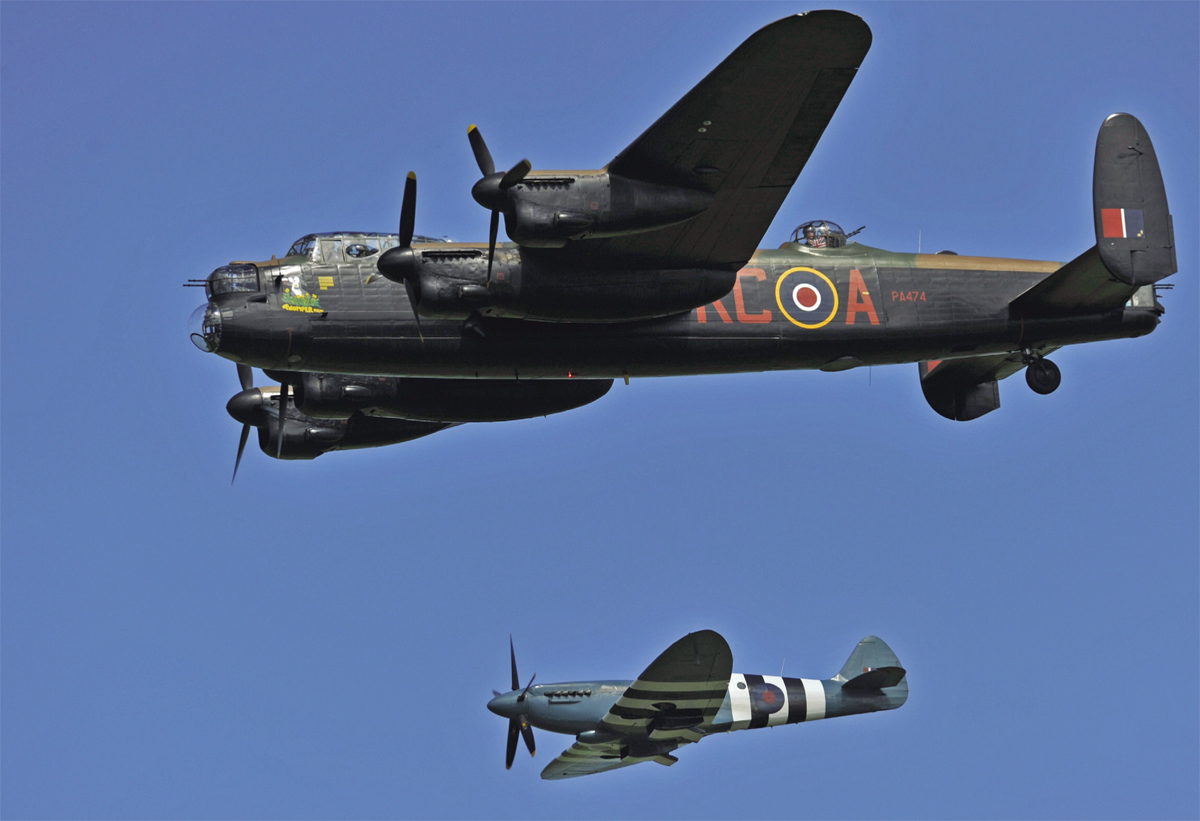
(871, 654)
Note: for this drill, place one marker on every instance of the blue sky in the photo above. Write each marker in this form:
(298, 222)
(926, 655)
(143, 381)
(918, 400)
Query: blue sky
(320, 640)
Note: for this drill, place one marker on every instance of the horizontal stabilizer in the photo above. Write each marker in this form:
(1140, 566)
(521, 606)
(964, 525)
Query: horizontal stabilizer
(876, 679)
(1083, 285)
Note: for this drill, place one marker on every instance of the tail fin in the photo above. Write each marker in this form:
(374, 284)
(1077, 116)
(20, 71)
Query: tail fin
(1134, 232)
(872, 666)
(1135, 239)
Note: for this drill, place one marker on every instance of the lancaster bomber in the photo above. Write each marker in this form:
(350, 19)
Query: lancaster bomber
(650, 267)
(689, 692)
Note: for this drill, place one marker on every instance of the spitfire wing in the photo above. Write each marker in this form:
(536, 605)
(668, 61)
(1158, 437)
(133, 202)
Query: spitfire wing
(689, 677)
(744, 133)
(680, 690)
(587, 759)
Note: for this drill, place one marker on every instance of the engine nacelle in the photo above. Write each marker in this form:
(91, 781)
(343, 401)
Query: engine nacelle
(489, 400)
(325, 396)
(334, 396)
(308, 438)
(453, 283)
(302, 439)
(547, 210)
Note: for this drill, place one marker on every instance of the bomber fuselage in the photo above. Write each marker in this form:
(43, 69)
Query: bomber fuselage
(789, 308)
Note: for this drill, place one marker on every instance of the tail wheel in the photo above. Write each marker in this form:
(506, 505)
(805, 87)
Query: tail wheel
(1043, 376)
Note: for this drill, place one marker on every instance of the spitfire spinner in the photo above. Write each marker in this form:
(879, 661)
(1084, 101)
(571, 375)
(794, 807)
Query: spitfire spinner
(686, 694)
(626, 271)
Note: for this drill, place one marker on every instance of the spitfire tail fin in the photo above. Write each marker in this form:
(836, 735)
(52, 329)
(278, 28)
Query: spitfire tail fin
(872, 666)
(1134, 232)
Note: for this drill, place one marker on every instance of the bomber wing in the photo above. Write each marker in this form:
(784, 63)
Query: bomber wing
(744, 134)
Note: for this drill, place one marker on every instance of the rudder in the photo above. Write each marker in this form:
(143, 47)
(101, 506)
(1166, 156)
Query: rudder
(872, 665)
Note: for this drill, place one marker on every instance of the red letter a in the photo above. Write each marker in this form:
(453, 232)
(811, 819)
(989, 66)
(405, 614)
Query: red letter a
(859, 300)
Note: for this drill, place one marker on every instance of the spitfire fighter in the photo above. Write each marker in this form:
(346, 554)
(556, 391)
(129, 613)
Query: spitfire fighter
(650, 267)
(689, 692)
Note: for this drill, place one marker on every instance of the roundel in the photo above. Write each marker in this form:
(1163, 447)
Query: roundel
(766, 697)
(806, 297)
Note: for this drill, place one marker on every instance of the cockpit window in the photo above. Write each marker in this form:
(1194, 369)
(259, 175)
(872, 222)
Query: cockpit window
(360, 248)
(331, 250)
(302, 247)
(231, 278)
(820, 234)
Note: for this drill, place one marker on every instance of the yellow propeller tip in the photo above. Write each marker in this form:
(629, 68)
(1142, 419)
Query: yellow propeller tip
(412, 175)
(471, 128)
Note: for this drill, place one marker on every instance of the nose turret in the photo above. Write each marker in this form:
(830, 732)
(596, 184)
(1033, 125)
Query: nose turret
(204, 326)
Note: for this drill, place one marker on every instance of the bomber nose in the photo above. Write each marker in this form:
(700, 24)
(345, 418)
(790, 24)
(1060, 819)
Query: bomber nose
(204, 327)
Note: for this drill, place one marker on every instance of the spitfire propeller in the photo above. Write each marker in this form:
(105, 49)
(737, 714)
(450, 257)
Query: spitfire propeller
(399, 264)
(518, 725)
(492, 191)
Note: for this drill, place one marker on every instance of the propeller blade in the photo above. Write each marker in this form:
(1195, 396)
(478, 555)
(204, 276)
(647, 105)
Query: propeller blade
(411, 290)
(408, 210)
(515, 174)
(246, 376)
(492, 231)
(527, 734)
(516, 682)
(524, 692)
(241, 448)
(514, 730)
(497, 693)
(283, 400)
(483, 157)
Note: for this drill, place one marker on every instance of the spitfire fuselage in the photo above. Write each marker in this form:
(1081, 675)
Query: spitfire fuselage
(751, 701)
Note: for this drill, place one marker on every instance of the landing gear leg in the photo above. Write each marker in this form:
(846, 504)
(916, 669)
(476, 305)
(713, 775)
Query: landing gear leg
(1042, 375)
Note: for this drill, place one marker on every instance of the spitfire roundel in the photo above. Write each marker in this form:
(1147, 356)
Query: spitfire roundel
(766, 697)
(806, 297)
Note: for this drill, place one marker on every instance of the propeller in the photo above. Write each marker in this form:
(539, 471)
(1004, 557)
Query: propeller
(492, 191)
(399, 264)
(518, 725)
(283, 400)
(250, 406)
(245, 407)
(246, 377)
